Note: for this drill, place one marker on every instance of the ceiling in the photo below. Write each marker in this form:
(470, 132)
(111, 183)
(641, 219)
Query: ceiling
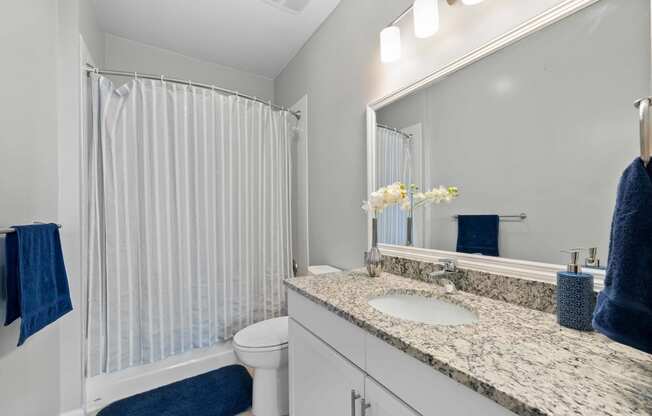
(257, 36)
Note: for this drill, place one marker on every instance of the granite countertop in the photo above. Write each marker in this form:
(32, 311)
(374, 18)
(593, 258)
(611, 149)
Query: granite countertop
(519, 357)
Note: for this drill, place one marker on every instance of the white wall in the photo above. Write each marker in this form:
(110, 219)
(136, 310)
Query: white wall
(300, 232)
(29, 375)
(40, 106)
(524, 129)
(89, 28)
(127, 55)
(75, 18)
(340, 70)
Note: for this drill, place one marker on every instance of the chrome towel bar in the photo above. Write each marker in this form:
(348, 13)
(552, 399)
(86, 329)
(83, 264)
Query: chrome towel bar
(643, 106)
(522, 216)
(11, 230)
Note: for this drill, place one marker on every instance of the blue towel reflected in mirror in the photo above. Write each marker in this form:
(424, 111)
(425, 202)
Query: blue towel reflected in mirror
(478, 234)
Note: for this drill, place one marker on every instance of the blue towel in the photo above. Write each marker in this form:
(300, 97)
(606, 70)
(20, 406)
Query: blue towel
(478, 234)
(624, 307)
(37, 286)
(223, 392)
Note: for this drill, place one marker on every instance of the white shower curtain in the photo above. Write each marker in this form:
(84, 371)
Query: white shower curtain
(394, 164)
(188, 219)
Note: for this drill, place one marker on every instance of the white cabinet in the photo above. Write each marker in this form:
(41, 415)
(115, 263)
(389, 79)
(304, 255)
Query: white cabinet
(321, 380)
(323, 383)
(344, 337)
(383, 403)
(330, 358)
(427, 391)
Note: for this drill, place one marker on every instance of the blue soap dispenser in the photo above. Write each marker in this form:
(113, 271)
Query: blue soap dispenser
(575, 298)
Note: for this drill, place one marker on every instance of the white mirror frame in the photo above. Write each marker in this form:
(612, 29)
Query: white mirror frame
(504, 266)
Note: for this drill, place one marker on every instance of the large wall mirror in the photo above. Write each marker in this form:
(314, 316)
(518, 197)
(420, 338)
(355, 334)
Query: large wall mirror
(535, 134)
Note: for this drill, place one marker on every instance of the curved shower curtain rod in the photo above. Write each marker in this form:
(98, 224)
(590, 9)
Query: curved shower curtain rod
(89, 68)
(395, 130)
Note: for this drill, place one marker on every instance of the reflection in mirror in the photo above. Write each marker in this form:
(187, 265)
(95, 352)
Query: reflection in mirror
(543, 128)
(394, 149)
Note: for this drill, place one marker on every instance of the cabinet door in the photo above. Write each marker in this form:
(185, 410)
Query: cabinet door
(383, 403)
(321, 381)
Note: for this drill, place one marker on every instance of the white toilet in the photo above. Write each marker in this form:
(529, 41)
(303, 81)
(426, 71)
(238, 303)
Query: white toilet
(263, 346)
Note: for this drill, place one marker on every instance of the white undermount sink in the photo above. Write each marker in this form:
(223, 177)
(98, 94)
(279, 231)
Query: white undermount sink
(418, 308)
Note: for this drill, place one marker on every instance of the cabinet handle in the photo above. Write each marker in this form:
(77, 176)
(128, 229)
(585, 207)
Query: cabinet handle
(354, 397)
(364, 407)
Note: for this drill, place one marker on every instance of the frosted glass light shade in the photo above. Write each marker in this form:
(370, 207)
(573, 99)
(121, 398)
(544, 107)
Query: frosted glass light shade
(426, 18)
(390, 44)
(471, 2)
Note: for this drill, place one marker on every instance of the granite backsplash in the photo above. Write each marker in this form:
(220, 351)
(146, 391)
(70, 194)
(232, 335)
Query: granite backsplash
(531, 294)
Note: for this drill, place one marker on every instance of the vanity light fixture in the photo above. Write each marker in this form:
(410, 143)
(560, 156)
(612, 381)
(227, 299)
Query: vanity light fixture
(426, 24)
(390, 44)
(426, 18)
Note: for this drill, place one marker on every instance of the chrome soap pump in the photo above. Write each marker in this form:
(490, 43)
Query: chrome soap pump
(575, 297)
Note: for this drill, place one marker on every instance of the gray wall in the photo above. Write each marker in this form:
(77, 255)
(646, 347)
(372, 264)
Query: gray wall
(339, 69)
(127, 55)
(29, 375)
(75, 18)
(544, 126)
(39, 118)
(90, 30)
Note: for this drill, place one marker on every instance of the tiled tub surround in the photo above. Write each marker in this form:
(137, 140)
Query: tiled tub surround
(519, 357)
(528, 293)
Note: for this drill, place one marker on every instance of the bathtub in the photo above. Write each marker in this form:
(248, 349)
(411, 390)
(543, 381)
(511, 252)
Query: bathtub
(106, 388)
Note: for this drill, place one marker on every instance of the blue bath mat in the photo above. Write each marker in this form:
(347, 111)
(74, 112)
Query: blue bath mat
(223, 392)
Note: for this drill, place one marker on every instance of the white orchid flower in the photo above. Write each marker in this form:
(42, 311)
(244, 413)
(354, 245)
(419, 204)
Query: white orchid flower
(397, 193)
(376, 200)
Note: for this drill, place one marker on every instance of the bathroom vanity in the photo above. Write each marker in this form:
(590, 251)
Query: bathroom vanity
(503, 125)
(348, 358)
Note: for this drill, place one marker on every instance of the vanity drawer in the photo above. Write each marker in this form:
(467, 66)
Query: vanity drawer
(422, 387)
(341, 335)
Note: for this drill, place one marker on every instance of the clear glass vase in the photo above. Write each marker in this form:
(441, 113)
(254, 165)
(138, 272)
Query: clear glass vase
(409, 229)
(373, 258)
(409, 239)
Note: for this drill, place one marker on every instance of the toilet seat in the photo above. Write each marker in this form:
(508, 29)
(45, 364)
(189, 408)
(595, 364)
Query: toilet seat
(268, 335)
(261, 349)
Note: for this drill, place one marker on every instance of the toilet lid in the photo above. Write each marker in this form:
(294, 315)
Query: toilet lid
(264, 334)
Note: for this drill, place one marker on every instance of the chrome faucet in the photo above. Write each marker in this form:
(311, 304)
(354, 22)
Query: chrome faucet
(592, 260)
(439, 277)
(448, 265)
